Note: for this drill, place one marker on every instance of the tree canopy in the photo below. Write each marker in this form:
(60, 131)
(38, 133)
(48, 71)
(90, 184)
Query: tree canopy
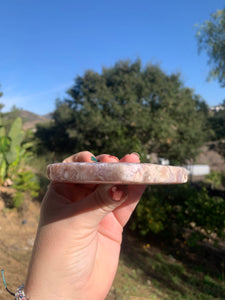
(127, 108)
(211, 38)
(217, 123)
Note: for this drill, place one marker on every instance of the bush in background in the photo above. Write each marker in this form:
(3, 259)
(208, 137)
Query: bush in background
(171, 210)
(215, 179)
(25, 182)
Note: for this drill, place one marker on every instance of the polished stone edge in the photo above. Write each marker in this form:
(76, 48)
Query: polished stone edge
(116, 173)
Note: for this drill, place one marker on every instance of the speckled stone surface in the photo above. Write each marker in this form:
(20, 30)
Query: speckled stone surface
(116, 173)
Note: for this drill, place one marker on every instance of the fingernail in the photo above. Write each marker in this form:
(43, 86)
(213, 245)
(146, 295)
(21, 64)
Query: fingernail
(94, 159)
(114, 157)
(135, 153)
(117, 194)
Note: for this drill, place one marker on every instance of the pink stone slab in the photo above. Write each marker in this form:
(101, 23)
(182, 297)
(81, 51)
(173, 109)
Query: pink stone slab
(116, 173)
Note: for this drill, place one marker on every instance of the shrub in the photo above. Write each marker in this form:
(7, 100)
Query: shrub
(170, 210)
(215, 179)
(25, 182)
(17, 200)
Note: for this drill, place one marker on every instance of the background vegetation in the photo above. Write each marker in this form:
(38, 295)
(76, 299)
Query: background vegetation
(127, 108)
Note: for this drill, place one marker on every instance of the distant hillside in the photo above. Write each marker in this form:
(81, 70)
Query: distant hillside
(30, 119)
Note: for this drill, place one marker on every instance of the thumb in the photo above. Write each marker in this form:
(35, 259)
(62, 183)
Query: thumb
(93, 208)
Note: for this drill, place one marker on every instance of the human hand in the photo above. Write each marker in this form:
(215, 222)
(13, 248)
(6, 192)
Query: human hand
(77, 246)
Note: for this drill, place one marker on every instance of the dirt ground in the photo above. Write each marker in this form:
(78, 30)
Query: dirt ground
(17, 232)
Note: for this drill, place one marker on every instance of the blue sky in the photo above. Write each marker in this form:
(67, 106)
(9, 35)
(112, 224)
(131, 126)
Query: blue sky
(45, 44)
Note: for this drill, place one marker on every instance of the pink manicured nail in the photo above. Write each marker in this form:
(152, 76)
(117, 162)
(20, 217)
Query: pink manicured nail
(116, 194)
(135, 153)
(114, 157)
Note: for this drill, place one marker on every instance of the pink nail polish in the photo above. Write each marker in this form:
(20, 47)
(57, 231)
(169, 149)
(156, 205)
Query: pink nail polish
(135, 153)
(114, 157)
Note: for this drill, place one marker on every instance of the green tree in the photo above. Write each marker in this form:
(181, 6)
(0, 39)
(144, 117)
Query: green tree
(217, 125)
(128, 108)
(211, 38)
(53, 136)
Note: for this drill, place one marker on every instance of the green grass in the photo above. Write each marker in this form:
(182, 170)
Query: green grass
(153, 274)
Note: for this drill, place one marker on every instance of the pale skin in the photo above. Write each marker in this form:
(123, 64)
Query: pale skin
(77, 246)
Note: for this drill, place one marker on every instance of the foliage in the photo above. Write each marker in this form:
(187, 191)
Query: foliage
(211, 38)
(17, 200)
(127, 108)
(217, 125)
(215, 179)
(12, 149)
(170, 210)
(26, 181)
(53, 138)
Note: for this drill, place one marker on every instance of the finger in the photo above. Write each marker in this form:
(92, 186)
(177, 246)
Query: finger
(135, 192)
(100, 203)
(107, 158)
(84, 156)
(124, 212)
(131, 158)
